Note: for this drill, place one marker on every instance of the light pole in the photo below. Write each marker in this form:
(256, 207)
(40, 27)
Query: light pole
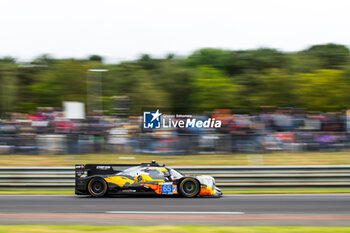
(94, 90)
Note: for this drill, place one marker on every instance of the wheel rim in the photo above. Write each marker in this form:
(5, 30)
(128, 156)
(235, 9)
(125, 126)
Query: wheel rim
(97, 187)
(190, 187)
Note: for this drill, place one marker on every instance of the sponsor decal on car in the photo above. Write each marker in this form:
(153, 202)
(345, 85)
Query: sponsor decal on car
(167, 188)
(129, 190)
(103, 167)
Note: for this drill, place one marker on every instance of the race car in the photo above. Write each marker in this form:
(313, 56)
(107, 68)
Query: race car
(99, 180)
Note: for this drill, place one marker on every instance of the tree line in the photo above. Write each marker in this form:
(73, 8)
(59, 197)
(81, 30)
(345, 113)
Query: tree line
(317, 79)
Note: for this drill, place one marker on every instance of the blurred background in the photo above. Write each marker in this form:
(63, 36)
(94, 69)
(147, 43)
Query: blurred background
(268, 100)
(78, 78)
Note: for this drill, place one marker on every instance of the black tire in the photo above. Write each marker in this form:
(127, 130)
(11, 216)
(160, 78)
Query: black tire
(189, 187)
(97, 187)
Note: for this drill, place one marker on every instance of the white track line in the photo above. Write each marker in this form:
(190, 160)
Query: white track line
(173, 212)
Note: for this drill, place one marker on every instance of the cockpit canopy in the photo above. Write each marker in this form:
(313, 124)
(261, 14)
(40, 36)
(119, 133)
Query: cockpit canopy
(157, 173)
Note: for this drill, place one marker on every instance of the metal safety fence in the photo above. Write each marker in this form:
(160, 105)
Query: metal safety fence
(227, 177)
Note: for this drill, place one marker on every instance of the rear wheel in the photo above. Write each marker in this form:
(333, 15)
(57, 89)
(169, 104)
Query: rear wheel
(97, 187)
(189, 187)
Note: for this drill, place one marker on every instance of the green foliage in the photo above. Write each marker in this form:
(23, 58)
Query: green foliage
(331, 56)
(145, 93)
(177, 82)
(326, 90)
(217, 58)
(8, 87)
(63, 81)
(300, 63)
(129, 79)
(238, 62)
(96, 58)
(317, 78)
(276, 88)
(213, 89)
(255, 61)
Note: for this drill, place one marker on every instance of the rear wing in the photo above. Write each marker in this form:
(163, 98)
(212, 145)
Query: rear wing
(106, 169)
(100, 169)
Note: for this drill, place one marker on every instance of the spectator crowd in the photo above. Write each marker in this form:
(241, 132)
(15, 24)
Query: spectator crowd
(275, 129)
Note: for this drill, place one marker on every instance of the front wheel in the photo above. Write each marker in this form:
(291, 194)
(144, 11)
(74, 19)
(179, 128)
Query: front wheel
(189, 187)
(97, 187)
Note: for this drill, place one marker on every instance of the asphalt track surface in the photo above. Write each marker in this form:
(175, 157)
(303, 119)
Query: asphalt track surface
(235, 210)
